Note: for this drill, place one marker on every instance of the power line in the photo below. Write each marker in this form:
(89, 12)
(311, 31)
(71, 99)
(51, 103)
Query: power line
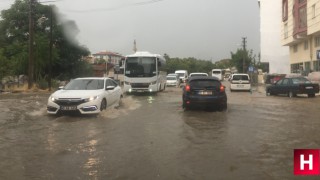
(116, 8)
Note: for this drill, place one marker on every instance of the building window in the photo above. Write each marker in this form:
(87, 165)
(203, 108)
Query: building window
(286, 34)
(307, 67)
(317, 41)
(299, 17)
(295, 48)
(316, 65)
(284, 10)
(303, 17)
(313, 11)
(306, 45)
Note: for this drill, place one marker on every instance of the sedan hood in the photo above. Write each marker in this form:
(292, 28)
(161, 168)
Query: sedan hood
(76, 93)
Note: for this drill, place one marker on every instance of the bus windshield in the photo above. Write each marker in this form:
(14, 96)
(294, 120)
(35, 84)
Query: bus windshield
(140, 67)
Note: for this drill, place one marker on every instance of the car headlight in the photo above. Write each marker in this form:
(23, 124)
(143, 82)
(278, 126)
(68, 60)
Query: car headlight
(153, 83)
(52, 99)
(127, 83)
(92, 98)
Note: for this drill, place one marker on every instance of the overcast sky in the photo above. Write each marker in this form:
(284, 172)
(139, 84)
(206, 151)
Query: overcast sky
(204, 29)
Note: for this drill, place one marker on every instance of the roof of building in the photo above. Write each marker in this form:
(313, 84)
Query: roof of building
(107, 53)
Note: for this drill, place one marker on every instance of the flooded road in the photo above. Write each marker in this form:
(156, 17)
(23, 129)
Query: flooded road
(151, 137)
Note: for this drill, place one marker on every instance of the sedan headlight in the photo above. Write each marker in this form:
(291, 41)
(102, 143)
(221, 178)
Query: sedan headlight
(153, 83)
(52, 99)
(92, 98)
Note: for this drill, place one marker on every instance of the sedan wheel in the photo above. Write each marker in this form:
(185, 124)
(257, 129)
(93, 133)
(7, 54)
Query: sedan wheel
(311, 95)
(268, 93)
(290, 94)
(103, 105)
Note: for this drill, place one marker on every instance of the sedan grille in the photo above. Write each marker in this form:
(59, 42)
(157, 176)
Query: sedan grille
(69, 101)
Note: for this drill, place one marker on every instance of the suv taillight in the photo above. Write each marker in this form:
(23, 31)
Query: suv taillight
(222, 88)
(187, 88)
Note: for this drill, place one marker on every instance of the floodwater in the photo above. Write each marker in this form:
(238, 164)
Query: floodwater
(151, 137)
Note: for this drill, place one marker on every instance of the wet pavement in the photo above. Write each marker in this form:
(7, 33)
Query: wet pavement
(151, 137)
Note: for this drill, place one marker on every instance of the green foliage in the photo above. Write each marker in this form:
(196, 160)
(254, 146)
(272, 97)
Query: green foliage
(242, 59)
(223, 64)
(189, 64)
(14, 42)
(5, 66)
(42, 83)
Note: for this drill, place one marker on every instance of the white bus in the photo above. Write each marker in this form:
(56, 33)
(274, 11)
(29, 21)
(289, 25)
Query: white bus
(144, 72)
(219, 73)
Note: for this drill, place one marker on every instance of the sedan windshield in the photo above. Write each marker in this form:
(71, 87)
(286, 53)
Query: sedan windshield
(85, 84)
(171, 78)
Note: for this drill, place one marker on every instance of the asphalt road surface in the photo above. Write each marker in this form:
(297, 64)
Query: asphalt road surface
(151, 137)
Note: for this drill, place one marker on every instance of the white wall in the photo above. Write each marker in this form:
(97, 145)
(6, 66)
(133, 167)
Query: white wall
(270, 33)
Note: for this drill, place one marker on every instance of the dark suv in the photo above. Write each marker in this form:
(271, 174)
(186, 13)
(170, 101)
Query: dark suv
(205, 92)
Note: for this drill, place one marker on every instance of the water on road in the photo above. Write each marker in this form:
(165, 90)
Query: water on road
(152, 137)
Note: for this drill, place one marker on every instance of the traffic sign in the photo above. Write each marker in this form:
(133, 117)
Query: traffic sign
(250, 68)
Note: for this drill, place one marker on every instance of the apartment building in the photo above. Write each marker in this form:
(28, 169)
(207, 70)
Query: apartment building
(301, 33)
(110, 57)
(271, 47)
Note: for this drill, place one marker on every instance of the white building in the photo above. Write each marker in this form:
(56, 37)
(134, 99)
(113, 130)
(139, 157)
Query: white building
(272, 50)
(301, 33)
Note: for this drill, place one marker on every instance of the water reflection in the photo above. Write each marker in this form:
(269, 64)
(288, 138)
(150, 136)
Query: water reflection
(150, 99)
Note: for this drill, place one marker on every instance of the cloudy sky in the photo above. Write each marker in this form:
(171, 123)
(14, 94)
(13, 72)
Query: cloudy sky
(204, 29)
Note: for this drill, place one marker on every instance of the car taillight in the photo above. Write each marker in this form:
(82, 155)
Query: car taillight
(222, 88)
(187, 88)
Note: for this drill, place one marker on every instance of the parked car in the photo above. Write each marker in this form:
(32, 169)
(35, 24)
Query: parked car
(240, 82)
(85, 95)
(293, 86)
(204, 91)
(173, 81)
(198, 74)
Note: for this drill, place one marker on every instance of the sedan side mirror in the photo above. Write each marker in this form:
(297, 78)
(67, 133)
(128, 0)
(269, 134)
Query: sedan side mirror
(110, 87)
(60, 87)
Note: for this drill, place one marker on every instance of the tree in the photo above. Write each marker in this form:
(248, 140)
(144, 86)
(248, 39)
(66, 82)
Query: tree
(242, 59)
(190, 64)
(223, 64)
(66, 52)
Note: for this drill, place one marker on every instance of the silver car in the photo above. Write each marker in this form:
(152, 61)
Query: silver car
(173, 81)
(85, 95)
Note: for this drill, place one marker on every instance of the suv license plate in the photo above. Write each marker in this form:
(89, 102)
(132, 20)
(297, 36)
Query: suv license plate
(205, 92)
(68, 108)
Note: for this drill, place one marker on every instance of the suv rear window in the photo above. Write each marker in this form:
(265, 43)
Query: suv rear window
(240, 77)
(204, 83)
(216, 72)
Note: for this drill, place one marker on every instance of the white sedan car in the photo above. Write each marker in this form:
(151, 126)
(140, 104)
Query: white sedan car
(85, 95)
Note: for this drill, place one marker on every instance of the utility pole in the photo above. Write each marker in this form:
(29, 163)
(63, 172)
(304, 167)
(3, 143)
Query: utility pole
(244, 51)
(134, 46)
(50, 52)
(31, 32)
